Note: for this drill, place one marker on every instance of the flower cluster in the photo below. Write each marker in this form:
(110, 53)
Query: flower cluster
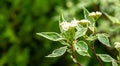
(67, 25)
(95, 14)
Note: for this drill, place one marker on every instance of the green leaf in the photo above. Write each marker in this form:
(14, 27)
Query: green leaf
(114, 63)
(105, 57)
(86, 16)
(51, 36)
(58, 52)
(80, 32)
(103, 39)
(82, 48)
(92, 22)
(61, 19)
(113, 19)
(79, 27)
(86, 13)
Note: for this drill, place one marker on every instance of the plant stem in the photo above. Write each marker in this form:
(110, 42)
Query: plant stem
(75, 60)
(94, 52)
(74, 57)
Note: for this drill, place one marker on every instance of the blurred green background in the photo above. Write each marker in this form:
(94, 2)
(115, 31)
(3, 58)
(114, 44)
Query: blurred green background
(20, 20)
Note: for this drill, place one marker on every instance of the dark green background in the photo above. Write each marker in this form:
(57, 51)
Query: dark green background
(20, 20)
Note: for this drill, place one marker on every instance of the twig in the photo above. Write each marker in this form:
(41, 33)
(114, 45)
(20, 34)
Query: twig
(75, 60)
(74, 57)
(94, 52)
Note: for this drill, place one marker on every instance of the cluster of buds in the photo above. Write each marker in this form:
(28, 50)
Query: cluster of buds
(68, 25)
(95, 15)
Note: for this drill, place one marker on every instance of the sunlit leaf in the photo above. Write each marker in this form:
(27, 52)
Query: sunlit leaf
(51, 36)
(82, 48)
(58, 52)
(105, 57)
(114, 63)
(86, 16)
(80, 32)
(103, 39)
(61, 19)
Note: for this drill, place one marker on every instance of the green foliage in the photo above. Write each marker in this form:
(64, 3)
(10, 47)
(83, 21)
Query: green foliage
(103, 39)
(80, 32)
(21, 19)
(73, 32)
(107, 58)
(51, 36)
(82, 48)
(114, 63)
(58, 52)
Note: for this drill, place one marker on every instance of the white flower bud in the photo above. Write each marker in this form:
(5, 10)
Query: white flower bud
(68, 25)
(92, 14)
(95, 15)
(74, 23)
(98, 13)
(65, 25)
(84, 21)
(117, 44)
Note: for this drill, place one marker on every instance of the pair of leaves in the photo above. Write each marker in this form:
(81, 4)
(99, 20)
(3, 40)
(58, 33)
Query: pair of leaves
(54, 37)
(82, 48)
(51, 36)
(108, 58)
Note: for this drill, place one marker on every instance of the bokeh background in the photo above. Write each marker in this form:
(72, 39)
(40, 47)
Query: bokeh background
(20, 20)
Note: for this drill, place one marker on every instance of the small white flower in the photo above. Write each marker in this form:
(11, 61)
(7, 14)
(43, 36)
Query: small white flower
(65, 25)
(74, 23)
(98, 13)
(92, 14)
(117, 44)
(95, 14)
(84, 21)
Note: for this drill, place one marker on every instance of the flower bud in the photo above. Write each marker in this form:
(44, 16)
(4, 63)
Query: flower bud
(84, 22)
(98, 13)
(65, 26)
(92, 14)
(69, 25)
(117, 45)
(74, 23)
(95, 15)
